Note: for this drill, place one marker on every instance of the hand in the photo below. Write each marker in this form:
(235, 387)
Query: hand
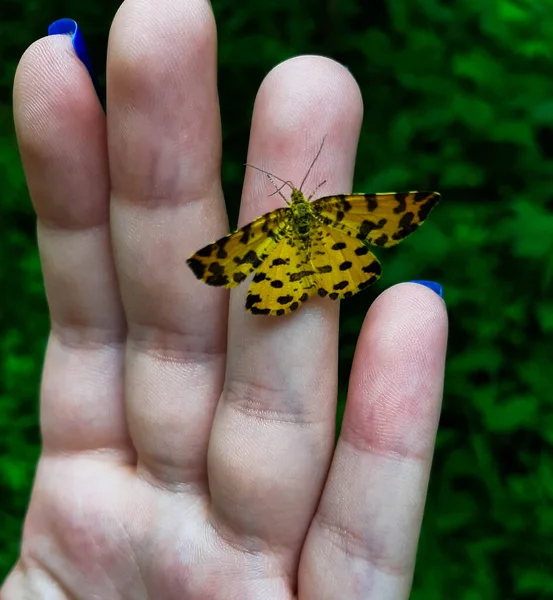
(188, 446)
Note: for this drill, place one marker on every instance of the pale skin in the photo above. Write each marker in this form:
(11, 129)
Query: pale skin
(188, 446)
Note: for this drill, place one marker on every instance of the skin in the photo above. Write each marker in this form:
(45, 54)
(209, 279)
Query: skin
(188, 446)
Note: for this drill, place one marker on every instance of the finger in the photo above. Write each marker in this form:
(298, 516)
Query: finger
(62, 137)
(274, 430)
(164, 141)
(362, 542)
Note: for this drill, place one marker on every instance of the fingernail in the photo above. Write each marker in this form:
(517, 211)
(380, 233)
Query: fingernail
(435, 287)
(69, 26)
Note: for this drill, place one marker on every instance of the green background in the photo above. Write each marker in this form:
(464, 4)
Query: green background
(459, 98)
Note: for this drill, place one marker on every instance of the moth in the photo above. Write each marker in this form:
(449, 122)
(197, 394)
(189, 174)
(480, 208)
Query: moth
(309, 248)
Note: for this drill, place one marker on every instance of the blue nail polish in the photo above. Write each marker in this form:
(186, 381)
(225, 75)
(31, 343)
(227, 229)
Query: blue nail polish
(69, 26)
(435, 287)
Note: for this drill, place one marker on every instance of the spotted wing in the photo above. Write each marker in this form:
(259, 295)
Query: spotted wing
(334, 265)
(342, 265)
(278, 287)
(378, 219)
(228, 261)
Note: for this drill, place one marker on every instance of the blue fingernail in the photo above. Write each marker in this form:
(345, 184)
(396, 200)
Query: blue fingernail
(435, 287)
(69, 26)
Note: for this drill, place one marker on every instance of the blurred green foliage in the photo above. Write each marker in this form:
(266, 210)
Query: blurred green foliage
(458, 97)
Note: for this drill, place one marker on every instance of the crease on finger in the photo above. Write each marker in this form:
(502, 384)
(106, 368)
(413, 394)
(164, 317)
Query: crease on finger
(354, 544)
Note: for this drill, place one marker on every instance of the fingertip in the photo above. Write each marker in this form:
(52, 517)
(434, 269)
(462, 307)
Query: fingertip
(406, 331)
(58, 118)
(314, 64)
(50, 78)
(71, 28)
(310, 85)
(42, 61)
(301, 102)
(397, 375)
(418, 295)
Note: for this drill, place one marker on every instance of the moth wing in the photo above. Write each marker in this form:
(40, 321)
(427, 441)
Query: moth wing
(229, 260)
(336, 266)
(278, 287)
(378, 219)
(343, 265)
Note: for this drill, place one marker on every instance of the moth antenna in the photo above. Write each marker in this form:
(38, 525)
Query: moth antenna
(313, 163)
(280, 188)
(315, 190)
(277, 189)
(272, 175)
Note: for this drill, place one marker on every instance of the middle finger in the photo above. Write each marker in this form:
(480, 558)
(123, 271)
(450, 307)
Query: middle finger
(274, 428)
(164, 142)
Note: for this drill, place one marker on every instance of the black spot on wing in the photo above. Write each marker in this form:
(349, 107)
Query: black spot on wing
(260, 311)
(341, 285)
(401, 205)
(372, 202)
(246, 233)
(374, 267)
(277, 283)
(250, 257)
(301, 275)
(252, 300)
(381, 241)
(259, 277)
(428, 206)
(369, 282)
(239, 277)
(345, 266)
(221, 252)
(215, 268)
(217, 276)
(205, 251)
(368, 226)
(406, 219)
(285, 299)
(197, 266)
(324, 269)
(217, 279)
(403, 233)
(338, 246)
(343, 204)
(361, 251)
(421, 196)
(322, 292)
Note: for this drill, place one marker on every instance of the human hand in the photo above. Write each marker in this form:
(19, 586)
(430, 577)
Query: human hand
(188, 446)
